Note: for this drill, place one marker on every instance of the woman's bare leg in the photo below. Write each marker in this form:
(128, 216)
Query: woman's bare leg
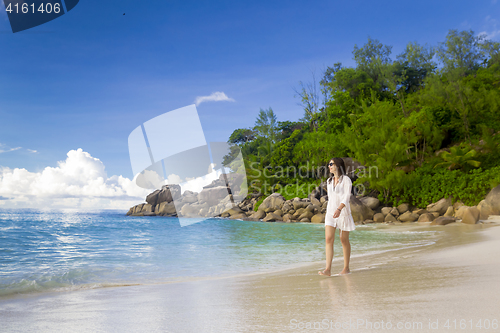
(329, 238)
(346, 247)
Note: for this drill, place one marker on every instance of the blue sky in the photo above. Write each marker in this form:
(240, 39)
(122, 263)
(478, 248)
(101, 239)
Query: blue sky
(88, 78)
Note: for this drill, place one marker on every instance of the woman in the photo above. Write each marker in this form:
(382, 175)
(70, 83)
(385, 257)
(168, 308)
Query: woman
(338, 214)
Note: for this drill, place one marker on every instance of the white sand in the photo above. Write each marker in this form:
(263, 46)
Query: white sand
(457, 279)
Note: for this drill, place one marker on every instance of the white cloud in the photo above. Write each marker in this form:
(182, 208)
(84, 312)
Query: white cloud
(173, 179)
(490, 35)
(217, 96)
(196, 184)
(492, 30)
(78, 182)
(5, 149)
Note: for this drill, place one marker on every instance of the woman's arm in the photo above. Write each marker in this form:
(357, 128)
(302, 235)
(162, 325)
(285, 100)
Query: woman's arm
(346, 195)
(338, 210)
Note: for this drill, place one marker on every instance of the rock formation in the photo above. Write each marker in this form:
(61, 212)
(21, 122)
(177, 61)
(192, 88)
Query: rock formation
(217, 200)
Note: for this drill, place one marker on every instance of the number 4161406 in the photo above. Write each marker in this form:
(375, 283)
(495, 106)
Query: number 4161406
(26, 8)
(463, 324)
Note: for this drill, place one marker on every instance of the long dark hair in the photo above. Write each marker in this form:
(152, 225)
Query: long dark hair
(340, 165)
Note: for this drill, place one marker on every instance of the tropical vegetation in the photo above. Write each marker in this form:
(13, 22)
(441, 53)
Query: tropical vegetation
(428, 121)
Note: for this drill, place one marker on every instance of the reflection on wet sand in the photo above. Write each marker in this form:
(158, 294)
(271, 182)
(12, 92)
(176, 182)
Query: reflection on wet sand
(413, 287)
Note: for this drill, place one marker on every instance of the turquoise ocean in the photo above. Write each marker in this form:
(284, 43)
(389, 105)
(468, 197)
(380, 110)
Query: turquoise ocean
(44, 251)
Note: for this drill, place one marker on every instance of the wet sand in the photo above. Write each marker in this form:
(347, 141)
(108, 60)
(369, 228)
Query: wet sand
(450, 286)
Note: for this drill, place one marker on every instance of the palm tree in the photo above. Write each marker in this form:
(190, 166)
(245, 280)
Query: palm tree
(458, 158)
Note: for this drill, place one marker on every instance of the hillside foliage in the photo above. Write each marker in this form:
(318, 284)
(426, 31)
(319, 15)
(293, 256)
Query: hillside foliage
(428, 121)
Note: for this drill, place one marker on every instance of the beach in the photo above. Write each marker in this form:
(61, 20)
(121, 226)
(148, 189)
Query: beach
(449, 286)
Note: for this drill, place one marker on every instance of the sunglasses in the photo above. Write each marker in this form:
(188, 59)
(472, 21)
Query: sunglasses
(330, 164)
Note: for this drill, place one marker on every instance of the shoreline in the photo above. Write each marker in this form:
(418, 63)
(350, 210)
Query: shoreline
(387, 227)
(456, 276)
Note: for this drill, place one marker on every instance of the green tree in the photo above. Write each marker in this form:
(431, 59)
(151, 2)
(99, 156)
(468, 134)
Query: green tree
(356, 82)
(372, 57)
(413, 65)
(309, 97)
(372, 50)
(266, 125)
(422, 126)
(286, 128)
(463, 53)
(337, 113)
(316, 149)
(474, 99)
(418, 57)
(490, 147)
(393, 116)
(328, 77)
(283, 153)
(378, 144)
(241, 135)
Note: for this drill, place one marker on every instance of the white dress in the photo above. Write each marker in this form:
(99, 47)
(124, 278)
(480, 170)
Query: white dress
(337, 195)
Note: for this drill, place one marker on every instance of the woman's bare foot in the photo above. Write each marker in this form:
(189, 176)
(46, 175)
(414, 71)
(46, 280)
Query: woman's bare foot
(345, 271)
(325, 272)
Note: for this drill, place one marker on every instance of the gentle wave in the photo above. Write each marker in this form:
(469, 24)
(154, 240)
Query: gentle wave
(44, 251)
